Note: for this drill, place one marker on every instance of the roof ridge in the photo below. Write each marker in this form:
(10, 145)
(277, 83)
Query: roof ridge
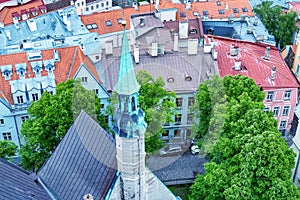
(73, 60)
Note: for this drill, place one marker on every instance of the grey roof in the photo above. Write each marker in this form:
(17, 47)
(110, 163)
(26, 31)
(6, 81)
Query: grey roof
(281, 3)
(17, 183)
(83, 163)
(171, 65)
(48, 31)
(239, 30)
(149, 21)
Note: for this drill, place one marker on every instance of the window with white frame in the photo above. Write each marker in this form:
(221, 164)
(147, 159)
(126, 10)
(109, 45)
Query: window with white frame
(35, 97)
(20, 99)
(179, 102)
(178, 119)
(282, 124)
(270, 96)
(276, 110)
(84, 79)
(191, 101)
(190, 118)
(24, 118)
(287, 95)
(7, 136)
(266, 109)
(286, 110)
(177, 133)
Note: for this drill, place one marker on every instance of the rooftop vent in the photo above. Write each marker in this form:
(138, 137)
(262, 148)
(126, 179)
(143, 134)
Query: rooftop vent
(88, 197)
(267, 53)
(272, 77)
(234, 50)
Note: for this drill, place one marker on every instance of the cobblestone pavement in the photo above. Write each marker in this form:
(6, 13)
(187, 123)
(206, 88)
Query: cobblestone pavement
(175, 168)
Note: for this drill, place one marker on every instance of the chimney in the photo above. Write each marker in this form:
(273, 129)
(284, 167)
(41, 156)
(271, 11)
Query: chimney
(188, 5)
(192, 46)
(183, 29)
(226, 6)
(175, 42)
(237, 65)
(272, 77)
(88, 197)
(56, 56)
(267, 53)
(135, 5)
(136, 54)
(71, 2)
(153, 51)
(142, 22)
(215, 54)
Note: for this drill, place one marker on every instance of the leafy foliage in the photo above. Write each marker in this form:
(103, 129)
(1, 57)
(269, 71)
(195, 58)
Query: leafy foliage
(7, 149)
(279, 24)
(249, 160)
(51, 117)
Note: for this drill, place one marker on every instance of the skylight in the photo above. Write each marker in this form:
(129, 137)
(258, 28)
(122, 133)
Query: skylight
(195, 13)
(108, 23)
(218, 3)
(182, 14)
(235, 10)
(244, 9)
(205, 12)
(120, 20)
(221, 11)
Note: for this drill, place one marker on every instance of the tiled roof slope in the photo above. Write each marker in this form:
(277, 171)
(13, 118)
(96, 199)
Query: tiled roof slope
(211, 6)
(255, 66)
(6, 13)
(71, 59)
(83, 163)
(17, 183)
(57, 5)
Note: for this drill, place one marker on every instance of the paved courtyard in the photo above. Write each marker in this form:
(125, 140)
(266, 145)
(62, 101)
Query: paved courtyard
(176, 169)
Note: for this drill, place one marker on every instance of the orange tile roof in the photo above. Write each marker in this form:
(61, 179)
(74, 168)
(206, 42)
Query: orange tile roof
(70, 60)
(211, 6)
(6, 13)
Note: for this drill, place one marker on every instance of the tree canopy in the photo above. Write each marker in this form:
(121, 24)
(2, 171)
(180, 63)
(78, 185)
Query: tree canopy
(249, 159)
(279, 24)
(7, 149)
(51, 117)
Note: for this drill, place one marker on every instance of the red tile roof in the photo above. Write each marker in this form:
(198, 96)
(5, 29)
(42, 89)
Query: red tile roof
(6, 13)
(69, 56)
(211, 7)
(295, 6)
(256, 67)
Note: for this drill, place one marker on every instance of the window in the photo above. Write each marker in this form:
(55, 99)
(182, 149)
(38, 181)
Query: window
(84, 79)
(190, 118)
(266, 109)
(1, 122)
(191, 101)
(87, 9)
(282, 124)
(82, 3)
(20, 99)
(182, 14)
(24, 118)
(276, 111)
(120, 20)
(97, 6)
(97, 57)
(179, 102)
(178, 119)
(78, 4)
(286, 110)
(35, 96)
(50, 92)
(221, 11)
(205, 12)
(92, 7)
(245, 9)
(96, 91)
(107, 3)
(102, 106)
(102, 5)
(188, 133)
(165, 133)
(7, 136)
(270, 96)
(106, 118)
(218, 3)
(235, 10)
(287, 95)
(177, 133)
(108, 23)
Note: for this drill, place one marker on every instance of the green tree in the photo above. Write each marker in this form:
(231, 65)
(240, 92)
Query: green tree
(157, 103)
(249, 160)
(51, 117)
(279, 24)
(7, 149)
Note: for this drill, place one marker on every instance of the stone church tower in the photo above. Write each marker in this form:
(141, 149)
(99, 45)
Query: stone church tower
(130, 127)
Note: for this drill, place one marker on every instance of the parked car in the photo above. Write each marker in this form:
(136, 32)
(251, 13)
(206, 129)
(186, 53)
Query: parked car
(195, 150)
(170, 150)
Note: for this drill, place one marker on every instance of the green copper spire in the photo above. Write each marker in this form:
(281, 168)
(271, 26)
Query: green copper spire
(127, 83)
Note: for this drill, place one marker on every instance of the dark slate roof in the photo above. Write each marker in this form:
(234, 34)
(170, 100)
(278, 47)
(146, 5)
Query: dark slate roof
(57, 5)
(83, 163)
(17, 183)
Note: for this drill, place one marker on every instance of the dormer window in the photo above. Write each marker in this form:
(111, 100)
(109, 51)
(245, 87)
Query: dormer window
(6, 71)
(193, 31)
(37, 67)
(170, 79)
(187, 77)
(21, 69)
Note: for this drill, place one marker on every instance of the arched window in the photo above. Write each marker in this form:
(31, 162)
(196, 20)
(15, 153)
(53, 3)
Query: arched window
(133, 104)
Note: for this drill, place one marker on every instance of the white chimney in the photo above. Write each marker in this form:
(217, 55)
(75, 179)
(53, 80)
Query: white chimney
(226, 6)
(156, 4)
(136, 54)
(272, 77)
(153, 49)
(192, 46)
(175, 42)
(188, 5)
(135, 5)
(267, 53)
(215, 54)
(183, 29)
(237, 65)
(234, 51)
(207, 45)
(56, 56)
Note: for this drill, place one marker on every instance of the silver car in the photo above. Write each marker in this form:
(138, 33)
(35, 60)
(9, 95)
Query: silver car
(170, 150)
